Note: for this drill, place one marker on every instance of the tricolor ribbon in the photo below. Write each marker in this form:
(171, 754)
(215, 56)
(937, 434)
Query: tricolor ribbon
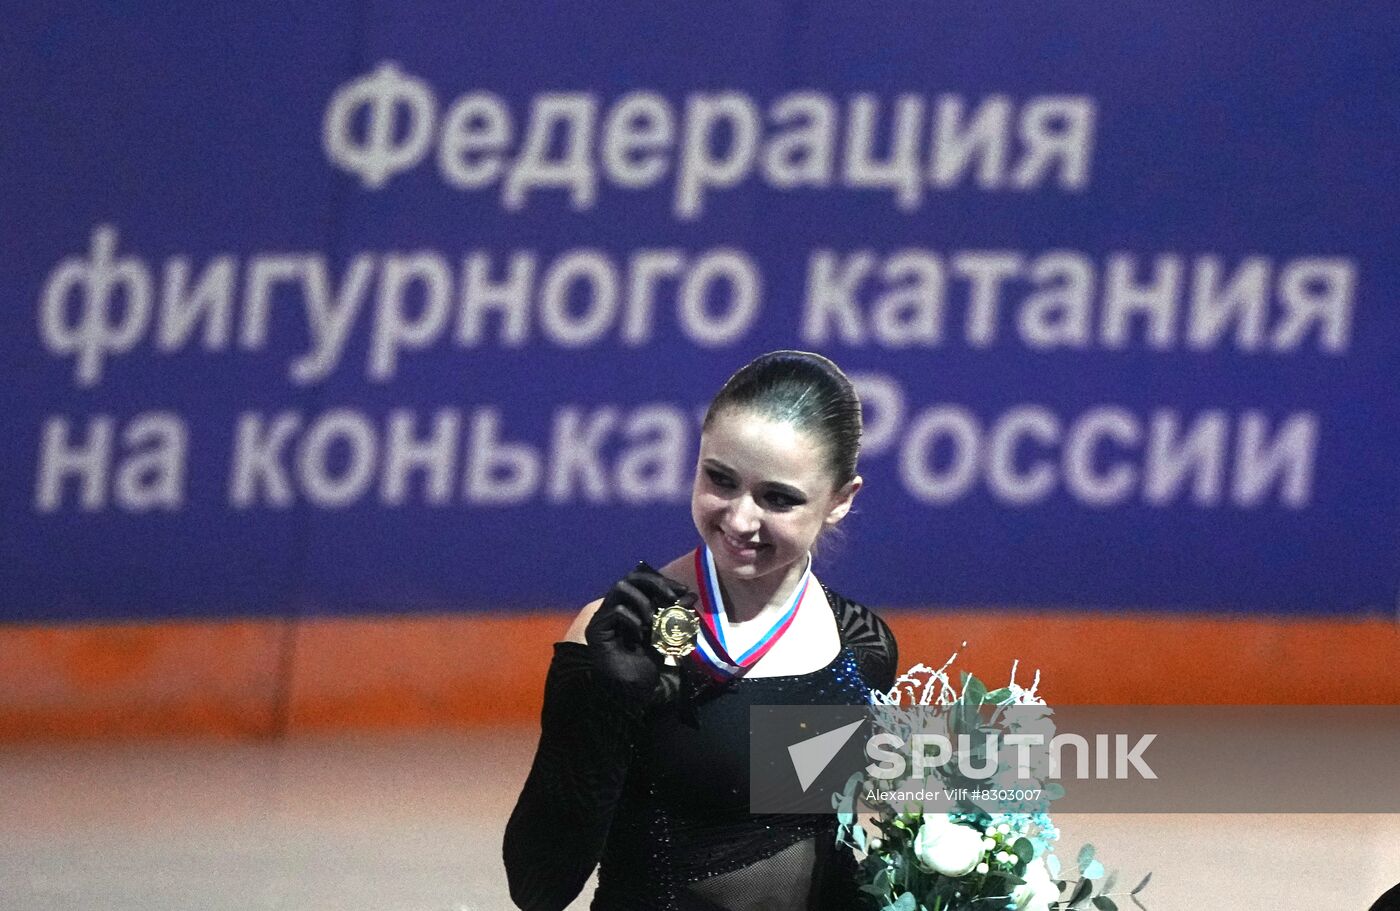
(713, 645)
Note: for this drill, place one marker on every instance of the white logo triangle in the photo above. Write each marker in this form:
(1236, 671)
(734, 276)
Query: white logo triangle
(811, 756)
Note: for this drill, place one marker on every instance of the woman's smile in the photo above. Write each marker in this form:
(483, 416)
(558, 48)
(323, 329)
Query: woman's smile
(740, 548)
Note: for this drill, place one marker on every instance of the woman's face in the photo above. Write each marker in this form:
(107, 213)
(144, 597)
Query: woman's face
(762, 493)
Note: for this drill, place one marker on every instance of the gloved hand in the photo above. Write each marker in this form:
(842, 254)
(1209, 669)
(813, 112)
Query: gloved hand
(619, 634)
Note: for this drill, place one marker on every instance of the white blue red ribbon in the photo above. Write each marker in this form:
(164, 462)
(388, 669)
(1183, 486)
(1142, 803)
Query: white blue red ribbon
(715, 641)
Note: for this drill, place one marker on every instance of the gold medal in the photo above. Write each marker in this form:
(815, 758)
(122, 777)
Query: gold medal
(674, 630)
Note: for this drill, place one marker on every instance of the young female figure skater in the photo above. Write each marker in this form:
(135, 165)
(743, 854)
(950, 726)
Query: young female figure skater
(643, 765)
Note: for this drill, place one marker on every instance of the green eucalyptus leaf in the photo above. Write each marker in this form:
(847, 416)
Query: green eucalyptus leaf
(1081, 894)
(997, 697)
(1138, 903)
(1142, 885)
(905, 902)
(974, 690)
(1054, 790)
(1086, 854)
(1052, 863)
(1094, 870)
(1024, 850)
(1104, 903)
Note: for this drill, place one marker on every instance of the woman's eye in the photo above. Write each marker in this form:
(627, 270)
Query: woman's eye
(782, 501)
(719, 480)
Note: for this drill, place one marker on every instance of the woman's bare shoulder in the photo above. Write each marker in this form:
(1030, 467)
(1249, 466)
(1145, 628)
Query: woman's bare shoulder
(580, 623)
(679, 570)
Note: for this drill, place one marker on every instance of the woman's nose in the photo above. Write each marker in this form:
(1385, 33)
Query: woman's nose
(743, 515)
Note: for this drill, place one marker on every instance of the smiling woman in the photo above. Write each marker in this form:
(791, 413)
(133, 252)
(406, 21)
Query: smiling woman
(764, 492)
(643, 760)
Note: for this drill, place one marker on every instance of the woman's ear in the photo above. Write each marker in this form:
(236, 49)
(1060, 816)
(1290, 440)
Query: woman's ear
(841, 504)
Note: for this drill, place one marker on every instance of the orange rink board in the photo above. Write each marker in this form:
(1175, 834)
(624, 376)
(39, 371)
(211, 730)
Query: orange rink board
(254, 679)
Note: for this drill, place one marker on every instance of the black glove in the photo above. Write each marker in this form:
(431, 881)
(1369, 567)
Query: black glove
(619, 634)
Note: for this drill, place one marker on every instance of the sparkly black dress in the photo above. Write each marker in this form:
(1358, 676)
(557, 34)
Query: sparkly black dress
(658, 796)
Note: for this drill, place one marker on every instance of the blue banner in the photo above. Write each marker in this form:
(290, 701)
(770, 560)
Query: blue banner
(312, 310)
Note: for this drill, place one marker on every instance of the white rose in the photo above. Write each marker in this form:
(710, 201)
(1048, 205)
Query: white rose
(947, 847)
(1039, 890)
(938, 821)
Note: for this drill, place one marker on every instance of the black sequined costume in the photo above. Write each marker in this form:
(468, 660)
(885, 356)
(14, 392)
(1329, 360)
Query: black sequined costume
(660, 795)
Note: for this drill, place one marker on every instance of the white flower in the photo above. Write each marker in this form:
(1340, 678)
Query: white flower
(988, 844)
(947, 847)
(1039, 890)
(982, 868)
(939, 821)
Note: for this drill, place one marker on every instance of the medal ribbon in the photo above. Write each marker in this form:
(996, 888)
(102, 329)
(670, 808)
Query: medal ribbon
(713, 645)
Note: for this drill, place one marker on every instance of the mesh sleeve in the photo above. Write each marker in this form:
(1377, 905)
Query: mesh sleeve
(872, 641)
(560, 823)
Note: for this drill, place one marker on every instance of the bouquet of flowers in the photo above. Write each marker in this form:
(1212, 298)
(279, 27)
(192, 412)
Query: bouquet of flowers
(966, 858)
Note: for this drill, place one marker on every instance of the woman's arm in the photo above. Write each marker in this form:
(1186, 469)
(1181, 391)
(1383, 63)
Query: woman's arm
(600, 682)
(560, 823)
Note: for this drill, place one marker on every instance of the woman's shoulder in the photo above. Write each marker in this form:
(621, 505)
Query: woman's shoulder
(682, 570)
(678, 570)
(580, 621)
(868, 636)
(858, 622)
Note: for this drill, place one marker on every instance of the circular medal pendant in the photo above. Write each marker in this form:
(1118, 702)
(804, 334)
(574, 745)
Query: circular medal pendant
(674, 630)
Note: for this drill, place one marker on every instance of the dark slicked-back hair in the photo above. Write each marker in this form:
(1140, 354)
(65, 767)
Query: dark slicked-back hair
(803, 389)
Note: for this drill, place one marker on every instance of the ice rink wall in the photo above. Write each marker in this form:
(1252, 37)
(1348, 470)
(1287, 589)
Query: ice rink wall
(346, 353)
(260, 679)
